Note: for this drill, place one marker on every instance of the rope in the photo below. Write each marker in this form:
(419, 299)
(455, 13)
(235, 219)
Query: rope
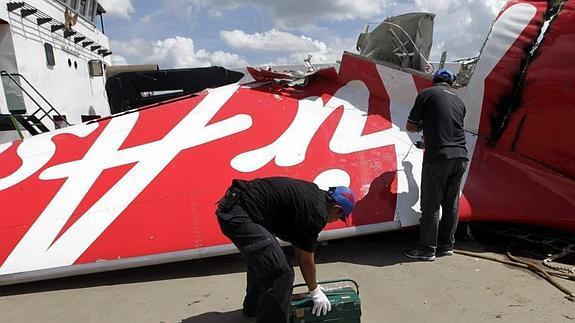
(548, 262)
(532, 267)
(569, 247)
(543, 273)
(511, 263)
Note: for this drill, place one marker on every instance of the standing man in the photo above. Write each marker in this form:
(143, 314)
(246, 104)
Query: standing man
(253, 213)
(439, 112)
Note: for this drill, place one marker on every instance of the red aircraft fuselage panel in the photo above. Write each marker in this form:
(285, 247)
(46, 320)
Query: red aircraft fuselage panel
(141, 188)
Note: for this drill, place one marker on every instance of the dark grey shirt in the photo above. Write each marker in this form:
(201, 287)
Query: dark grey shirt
(293, 210)
(440, 113)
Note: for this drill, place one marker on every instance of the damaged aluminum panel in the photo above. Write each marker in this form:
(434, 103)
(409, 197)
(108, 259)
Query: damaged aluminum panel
(403, 40)
(554, 112)
(504, 74)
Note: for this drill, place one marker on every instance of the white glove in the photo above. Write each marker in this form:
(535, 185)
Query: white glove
(321, 304)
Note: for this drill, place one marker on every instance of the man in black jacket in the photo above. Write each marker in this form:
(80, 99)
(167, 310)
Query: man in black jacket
(253, 213)
(439, 112)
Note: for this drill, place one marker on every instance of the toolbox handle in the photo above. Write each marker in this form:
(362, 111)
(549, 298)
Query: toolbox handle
(333, 281)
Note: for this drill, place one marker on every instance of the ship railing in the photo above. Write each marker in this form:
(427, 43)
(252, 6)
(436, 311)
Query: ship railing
(35, 119)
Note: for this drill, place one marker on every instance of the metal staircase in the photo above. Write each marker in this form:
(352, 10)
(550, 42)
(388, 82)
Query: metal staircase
(32, 122)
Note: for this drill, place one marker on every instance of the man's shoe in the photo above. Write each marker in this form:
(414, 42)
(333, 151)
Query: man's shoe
(420, 254)
(443, 252)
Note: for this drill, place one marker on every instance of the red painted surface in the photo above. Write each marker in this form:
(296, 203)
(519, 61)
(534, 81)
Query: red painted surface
(176, 210)
(500, 83)
(529, 176)
(9, 161)
(542, 128)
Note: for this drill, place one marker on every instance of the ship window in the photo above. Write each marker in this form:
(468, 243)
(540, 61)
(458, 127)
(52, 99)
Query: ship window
(83, 7)
(74, 4)
(60, 121)
(95, 67)
(91, 9)
(50, 61)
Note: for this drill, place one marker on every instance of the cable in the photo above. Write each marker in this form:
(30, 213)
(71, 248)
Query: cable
(511, 263)
(542, 272)
(409, 151)
(532, 267)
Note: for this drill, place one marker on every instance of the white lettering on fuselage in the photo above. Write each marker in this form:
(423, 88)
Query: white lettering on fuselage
(41, 244)
(38, 250)
(4, 147)
(35, 152)
(291, 147)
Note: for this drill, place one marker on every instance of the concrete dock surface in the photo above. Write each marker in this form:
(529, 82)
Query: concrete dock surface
(393, 288)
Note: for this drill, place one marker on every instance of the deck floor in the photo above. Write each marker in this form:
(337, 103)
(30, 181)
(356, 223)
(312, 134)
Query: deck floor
(392, 289)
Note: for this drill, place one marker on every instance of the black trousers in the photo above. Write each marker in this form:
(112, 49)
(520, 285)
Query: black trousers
(270, 275)
(440, 185)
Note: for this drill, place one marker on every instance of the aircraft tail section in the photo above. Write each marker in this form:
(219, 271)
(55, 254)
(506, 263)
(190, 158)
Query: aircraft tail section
(523, 165)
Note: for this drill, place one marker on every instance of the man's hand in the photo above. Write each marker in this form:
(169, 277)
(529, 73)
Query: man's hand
(307, 265)
(321, 305)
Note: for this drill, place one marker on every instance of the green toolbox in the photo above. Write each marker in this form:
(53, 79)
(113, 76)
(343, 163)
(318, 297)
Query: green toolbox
(345, 303)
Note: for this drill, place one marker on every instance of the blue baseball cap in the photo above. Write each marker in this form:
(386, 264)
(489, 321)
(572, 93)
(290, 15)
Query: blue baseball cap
(444, 75)
(343, 197)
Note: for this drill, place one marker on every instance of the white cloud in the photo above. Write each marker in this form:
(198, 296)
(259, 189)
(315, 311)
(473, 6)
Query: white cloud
(176, 52)
(222, 58)
(327, 53)
(461, 26)
(294, 48)
(296, 14)
(146, 19)
(118, 8)
(271, 40)
(119, 60)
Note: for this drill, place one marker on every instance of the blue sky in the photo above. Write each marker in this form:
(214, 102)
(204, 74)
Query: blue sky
(232, 33)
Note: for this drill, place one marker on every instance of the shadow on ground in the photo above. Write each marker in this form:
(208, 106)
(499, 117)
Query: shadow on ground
(375, 250)
(380, 250)
(192, 268)
(218, 317)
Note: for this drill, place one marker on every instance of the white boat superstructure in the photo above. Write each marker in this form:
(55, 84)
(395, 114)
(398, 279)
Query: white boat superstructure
(53, 58)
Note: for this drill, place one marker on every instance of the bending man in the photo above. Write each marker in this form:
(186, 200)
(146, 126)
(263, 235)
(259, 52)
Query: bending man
(253, 213)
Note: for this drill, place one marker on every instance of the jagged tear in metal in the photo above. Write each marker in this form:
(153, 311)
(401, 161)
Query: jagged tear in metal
(508, 107)
(404, 40)
(531, 115)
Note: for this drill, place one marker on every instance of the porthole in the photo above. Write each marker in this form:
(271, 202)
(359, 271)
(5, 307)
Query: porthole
(69, 62)
(75, 65)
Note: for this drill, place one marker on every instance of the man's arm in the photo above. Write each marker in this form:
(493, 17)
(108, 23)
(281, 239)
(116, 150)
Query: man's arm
(411, 127)
(415, 118)
(321, 304)
(307, 267)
